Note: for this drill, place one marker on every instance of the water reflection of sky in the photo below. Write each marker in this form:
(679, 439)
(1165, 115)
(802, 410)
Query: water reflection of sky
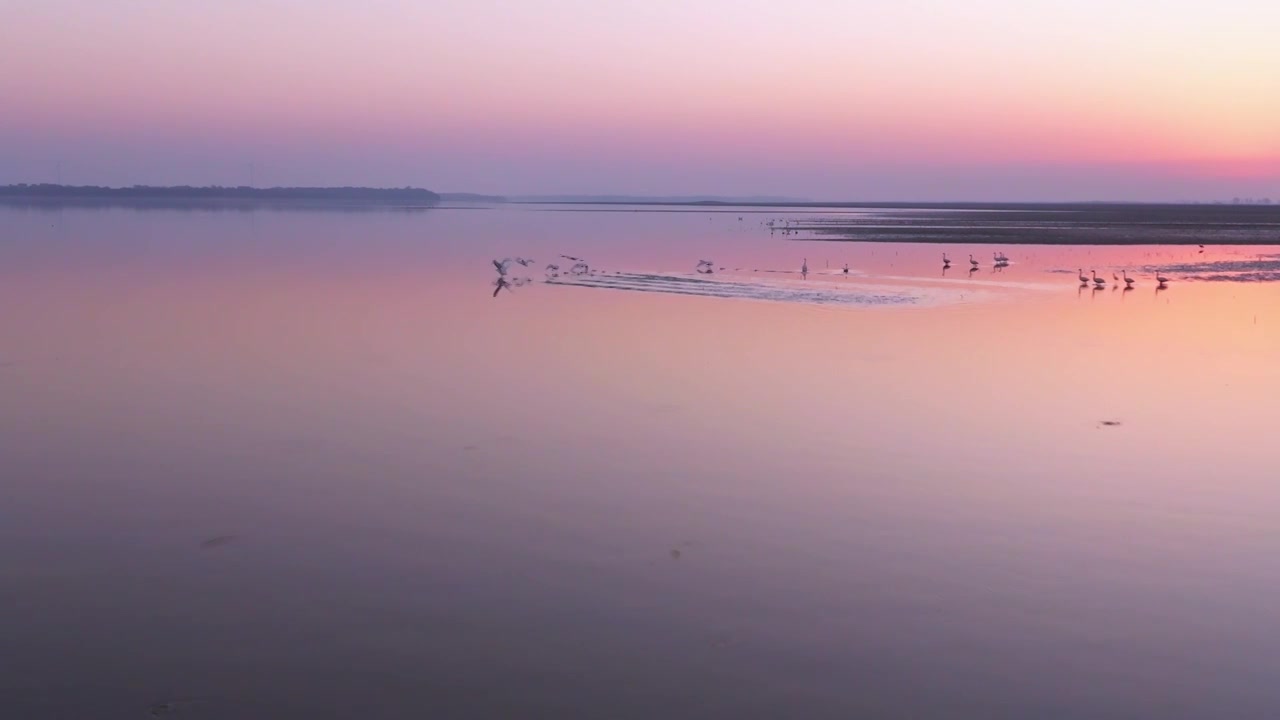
(489, 504)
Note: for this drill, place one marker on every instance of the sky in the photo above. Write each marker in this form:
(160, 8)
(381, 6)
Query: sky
(823, 99)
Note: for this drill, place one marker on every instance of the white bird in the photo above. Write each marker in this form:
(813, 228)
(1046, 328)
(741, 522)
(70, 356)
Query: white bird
(972, 261)
(1083, 280)
(580, 269)
(501, 265)
(1160, 278)
(1128, 281)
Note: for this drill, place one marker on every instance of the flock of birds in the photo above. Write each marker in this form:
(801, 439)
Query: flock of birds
(1161, 280)
(706, 267)
(580, 267)
(1001, 261)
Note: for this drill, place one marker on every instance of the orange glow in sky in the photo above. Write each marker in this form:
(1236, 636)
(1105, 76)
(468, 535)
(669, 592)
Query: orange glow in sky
(991, 99)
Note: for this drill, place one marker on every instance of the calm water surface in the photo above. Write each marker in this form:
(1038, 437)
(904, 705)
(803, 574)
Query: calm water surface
(306, 465)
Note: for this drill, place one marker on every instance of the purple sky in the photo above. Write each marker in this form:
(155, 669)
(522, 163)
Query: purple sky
(991, 99)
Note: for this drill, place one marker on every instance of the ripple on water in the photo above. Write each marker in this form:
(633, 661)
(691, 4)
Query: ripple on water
(770, 291)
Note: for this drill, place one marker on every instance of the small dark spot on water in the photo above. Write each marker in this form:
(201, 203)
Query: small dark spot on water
(171, 707)
(470, 447)
(1109, 423)
(216, 542)
(675, 554)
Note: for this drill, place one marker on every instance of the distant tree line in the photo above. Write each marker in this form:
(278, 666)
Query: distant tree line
(363, 195)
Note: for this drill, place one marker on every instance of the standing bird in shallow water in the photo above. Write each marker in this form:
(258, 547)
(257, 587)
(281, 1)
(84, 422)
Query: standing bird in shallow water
(1160, 278)
(1097, 280)
(846, 268)
(972, 261)
(1083, 280)
(1128, 281)
(804, 267)
(946, 261)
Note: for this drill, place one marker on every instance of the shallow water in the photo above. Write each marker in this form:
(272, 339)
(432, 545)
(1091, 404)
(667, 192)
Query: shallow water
(306, 464)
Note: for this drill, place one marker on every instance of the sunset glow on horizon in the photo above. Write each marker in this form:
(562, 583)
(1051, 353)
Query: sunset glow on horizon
(928, 100)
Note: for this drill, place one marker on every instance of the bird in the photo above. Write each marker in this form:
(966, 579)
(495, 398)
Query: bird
(804, 267)
(1113, 277)
(526, 262)
(1160, 278)
(501, 265)
(1001, 257)
(570, 257)
(846, 268)
(1128, 281)
(972, 261)
(553, 269)
(705, 267)
(1097, 280)
(500, 284)
(946, 261)
(580, 268)
(1083, 280)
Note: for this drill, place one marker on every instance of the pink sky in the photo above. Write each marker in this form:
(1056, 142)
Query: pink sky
(992, 99)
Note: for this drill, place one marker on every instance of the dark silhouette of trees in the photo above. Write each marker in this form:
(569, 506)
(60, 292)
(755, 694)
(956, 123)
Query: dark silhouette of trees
(218, 193)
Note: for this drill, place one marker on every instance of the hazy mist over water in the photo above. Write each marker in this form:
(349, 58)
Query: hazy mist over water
(306, 464)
